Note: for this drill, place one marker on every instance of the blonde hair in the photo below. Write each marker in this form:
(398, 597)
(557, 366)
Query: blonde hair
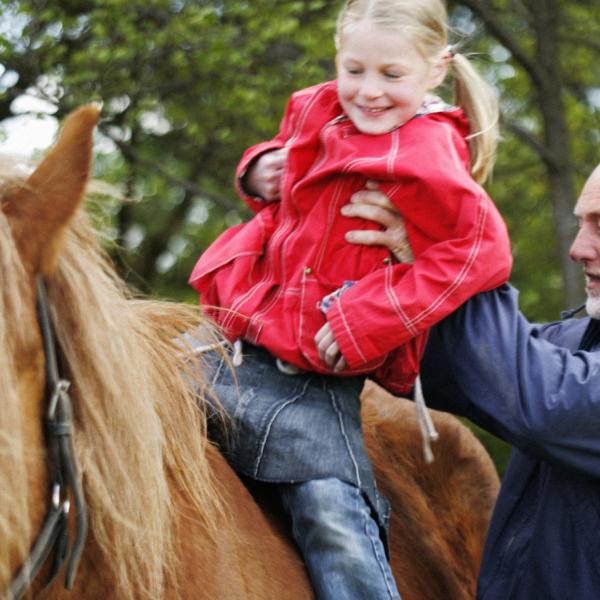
(425, 22)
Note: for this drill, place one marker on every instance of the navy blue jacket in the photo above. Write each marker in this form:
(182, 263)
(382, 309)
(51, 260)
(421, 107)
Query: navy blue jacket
(529, 385)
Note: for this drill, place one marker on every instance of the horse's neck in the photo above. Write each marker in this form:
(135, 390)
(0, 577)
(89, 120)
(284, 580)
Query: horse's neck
(35, 496)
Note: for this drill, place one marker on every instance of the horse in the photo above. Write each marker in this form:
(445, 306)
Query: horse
(148, 503)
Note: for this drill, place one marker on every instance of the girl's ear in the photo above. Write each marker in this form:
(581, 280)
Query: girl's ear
(439, 71)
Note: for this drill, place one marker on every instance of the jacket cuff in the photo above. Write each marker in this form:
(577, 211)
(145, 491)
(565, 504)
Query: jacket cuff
(256, 203)
(354, 343)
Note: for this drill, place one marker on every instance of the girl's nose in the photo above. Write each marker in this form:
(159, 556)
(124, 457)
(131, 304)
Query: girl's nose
(371, 88)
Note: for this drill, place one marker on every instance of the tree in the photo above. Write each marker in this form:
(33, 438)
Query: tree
(550, 109)
(188, 85)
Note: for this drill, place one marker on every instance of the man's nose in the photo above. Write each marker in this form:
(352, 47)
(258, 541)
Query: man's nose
(586, 245)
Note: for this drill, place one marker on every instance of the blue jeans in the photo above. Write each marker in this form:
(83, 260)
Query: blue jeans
(339, 540)
(303, 433)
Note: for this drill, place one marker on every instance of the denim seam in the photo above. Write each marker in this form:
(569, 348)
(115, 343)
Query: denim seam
(344, 435)
(218, 371)
(244, 398)
(383, 566)
(286, 503)
(265, 438)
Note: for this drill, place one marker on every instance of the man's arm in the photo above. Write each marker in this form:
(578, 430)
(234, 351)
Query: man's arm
(488, 363)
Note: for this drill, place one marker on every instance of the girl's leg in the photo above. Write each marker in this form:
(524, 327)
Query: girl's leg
(339, 540)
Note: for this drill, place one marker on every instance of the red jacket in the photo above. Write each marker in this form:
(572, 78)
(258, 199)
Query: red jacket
(265, 278)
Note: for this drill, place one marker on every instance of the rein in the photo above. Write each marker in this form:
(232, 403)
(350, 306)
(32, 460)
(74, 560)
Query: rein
(64, 475)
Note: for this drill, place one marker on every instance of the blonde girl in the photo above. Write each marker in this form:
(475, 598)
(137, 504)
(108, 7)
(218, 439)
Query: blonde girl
(314, 314)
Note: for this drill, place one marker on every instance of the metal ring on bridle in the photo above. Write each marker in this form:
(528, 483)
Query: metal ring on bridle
(61, 387)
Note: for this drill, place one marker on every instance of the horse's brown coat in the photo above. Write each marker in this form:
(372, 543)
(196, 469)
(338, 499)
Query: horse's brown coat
(440, 511)
(210, 539)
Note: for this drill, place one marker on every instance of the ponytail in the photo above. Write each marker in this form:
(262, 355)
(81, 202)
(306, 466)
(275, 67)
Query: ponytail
(476, 97)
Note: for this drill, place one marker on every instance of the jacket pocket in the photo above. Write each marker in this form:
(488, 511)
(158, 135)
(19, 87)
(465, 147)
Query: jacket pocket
(314, 288)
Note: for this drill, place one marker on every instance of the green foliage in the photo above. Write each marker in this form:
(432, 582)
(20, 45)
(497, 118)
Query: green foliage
(496, 448)
(536, 146)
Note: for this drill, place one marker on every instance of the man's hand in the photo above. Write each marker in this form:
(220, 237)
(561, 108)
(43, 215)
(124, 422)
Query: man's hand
(373, 205)
(264, 175)
(329, 351)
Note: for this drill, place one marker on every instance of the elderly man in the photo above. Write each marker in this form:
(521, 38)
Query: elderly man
(537, 387)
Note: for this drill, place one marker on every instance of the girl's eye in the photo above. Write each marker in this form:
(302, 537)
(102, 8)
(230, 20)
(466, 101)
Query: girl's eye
(354, 71)
(393, 75)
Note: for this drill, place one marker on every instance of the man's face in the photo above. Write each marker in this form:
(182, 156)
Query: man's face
(586, 247)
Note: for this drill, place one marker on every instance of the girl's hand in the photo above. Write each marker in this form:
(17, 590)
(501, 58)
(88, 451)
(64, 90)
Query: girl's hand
(264, 175)
(373, 205)
(329, 351)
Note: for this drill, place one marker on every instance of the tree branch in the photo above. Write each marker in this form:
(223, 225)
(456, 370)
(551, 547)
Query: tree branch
(506, 170)
(188, 186)
(487, 16)
(533, 142)
(591, 43)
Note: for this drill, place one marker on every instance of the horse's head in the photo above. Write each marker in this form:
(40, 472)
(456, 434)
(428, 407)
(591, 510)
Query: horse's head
(136, 424)
(35, 213)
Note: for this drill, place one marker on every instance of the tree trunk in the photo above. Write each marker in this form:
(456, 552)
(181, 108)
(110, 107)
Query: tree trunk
(545, 18)
(542, 66)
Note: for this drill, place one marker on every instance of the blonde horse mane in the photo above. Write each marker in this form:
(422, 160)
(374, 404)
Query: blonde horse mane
(140, 437)
(14, 460)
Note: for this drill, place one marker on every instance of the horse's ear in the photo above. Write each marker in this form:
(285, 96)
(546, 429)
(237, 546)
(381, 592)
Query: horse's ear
(40, 209)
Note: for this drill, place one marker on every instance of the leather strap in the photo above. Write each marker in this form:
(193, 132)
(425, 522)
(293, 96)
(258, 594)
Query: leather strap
(64, 475)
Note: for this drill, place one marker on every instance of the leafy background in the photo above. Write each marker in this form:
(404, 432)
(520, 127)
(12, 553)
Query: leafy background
(187, 85)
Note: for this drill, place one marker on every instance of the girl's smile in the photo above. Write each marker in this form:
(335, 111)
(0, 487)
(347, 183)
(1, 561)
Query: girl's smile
(382, 78)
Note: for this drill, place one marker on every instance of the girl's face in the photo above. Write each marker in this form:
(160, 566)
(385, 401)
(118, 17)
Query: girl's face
(382, 78)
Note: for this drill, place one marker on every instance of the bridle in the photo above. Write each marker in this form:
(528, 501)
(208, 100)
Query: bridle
(53, 537)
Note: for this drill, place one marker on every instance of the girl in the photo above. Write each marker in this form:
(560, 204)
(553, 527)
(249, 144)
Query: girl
(316, 314)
